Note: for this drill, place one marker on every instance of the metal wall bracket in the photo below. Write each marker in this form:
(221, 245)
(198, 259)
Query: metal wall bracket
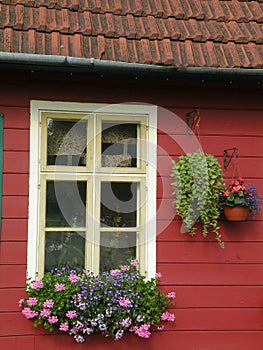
(228, 158)
(192, 120)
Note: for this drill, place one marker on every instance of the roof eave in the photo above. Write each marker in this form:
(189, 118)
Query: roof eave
(36, 62)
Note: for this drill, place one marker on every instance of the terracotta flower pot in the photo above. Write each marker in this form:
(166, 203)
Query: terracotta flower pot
(237, 213)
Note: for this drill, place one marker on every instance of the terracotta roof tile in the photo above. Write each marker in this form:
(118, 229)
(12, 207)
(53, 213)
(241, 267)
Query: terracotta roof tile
(170, 32)
(75, 45)
(173, 27)
(117, 7)
(210, 54)
(132, 31)
(234, 54)
(257, 32)
(152, 28)
(42, 19)
(110, 28)
(19, 16)
(244, 57)
(178, 9)
(254, 55)
(157, 8)
(198, 9)
(246, 9)
(119, 28)
(209, 11)
(123, 50)
(133, 54)
(220, 54)
(65, 22)
(51, 22)
(101, 46)
(238, 12)
(167, 8)
(162, 28)
(256, 9)
(169, 58)
(145, 51)
(55, 43)
(195, 32)
(31, 37)
(236, 33)
(87, 47)
(155, 51)
(87, 23)
(146, 8)
(189, 54)
(8, 40)
(137, 8)
(177, 49)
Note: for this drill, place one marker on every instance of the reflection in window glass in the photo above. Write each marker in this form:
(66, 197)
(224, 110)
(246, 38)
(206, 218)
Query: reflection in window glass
(119, 145)
(116, 248)
(66, 142)
(118, 204)
(64, 248)
(66, 204)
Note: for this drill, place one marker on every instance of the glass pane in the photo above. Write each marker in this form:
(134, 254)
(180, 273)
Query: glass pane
(66, 203)
(119, 145)
(116, 248)
(118, 204)
(66, 142)
(64, 248)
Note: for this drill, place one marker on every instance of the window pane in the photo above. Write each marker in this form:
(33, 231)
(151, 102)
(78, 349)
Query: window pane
(66, 203)
(64, 248)
(118, 204)
(116, 248)
(119, 145)
(66, 142)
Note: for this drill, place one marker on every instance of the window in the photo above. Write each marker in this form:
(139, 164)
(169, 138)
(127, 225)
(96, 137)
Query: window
(92, 186)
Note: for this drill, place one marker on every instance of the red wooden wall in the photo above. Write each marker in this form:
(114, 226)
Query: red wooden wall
(219, 292)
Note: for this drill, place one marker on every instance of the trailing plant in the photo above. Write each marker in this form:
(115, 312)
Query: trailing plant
(198, 183)
(80, 304)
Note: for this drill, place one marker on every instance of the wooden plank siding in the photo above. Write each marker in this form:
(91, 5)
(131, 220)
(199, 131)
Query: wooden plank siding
(219, 292)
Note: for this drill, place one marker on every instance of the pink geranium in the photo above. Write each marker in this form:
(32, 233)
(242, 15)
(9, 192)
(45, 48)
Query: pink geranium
(64, 327)
(28, 313)
(124, 302)
(73, 278)
(115, 272)
(37, 284)
(59, 287)
(53, 319)
(166, 316)
(142, 331)
(134, 262)
(49, 303)
(71, 314)
(31, 301)
(171, 295)
(45, 313)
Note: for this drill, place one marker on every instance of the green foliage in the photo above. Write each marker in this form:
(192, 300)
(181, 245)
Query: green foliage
(198, 183)
(80, 304)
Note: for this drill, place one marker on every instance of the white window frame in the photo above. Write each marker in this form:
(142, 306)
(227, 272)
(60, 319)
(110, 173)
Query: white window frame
(34, 176)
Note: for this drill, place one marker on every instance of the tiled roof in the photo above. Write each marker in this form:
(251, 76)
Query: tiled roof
(181, 33)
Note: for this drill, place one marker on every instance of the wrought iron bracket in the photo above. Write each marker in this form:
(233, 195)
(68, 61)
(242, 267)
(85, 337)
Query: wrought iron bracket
(228, 158)
(192, 120)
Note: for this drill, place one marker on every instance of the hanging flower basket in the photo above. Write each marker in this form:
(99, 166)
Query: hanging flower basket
(237, 213)
(238, 199)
